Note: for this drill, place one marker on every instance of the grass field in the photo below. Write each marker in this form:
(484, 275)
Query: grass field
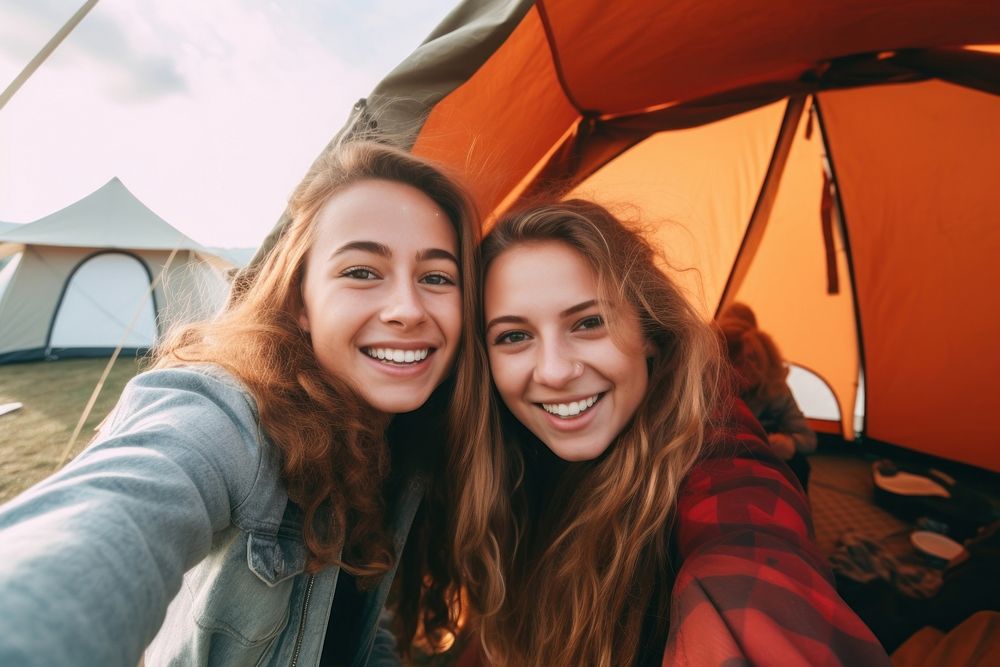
(54, 394)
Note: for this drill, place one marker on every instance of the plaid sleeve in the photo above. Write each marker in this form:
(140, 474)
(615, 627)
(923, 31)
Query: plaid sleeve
(752, 587)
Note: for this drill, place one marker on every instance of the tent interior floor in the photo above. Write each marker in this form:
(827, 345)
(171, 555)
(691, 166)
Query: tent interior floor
(911, 593)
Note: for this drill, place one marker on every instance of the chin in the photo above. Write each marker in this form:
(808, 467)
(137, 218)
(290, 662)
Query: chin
(396, 405)
(578, 454)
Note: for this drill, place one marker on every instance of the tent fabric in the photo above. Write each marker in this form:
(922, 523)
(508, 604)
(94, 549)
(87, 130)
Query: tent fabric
(78, 280)
(98, 305)
(829, 163)
(554, 79)
(110, 217)
(787, 277)
(924, 242)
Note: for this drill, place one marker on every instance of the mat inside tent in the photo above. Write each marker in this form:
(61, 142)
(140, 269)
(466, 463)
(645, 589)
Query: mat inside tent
(916, 594)
(842, 497)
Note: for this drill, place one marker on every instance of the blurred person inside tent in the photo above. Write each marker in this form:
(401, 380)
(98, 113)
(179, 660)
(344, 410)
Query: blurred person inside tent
(759, 374)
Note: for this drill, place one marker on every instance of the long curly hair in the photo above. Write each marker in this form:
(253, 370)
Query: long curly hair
(570, 577)
(759, 371)
(333, 445)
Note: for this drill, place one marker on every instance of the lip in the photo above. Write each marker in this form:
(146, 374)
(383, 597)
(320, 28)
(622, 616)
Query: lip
(411, 345)
(572, 399)
(400, 371)
(569, 424)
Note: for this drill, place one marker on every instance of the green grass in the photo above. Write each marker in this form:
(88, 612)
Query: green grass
(54, 394)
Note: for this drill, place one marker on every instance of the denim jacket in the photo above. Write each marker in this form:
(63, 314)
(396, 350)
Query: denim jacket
(173, 531)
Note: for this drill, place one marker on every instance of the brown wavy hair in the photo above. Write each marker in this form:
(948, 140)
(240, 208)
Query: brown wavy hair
(333, 445)
(570, 577)
(759, 371)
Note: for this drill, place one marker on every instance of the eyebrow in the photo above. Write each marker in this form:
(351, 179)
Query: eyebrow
(517, 319)
(383, 250)
(436, 253)
(364, 246)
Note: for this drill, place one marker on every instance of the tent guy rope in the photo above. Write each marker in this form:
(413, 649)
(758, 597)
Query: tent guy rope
(46, 51)
(111, 362)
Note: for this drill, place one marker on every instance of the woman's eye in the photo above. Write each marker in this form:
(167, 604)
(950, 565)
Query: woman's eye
(510, 338)
(592, 322)
(360, 273)
(437, 279)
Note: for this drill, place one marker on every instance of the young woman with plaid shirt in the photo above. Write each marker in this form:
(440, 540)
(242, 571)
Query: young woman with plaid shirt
(619, 507)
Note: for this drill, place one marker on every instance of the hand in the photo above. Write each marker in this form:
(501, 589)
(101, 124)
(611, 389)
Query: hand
(783, 445)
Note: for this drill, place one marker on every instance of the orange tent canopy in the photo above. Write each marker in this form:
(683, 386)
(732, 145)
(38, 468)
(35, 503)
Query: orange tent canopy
(833, 164)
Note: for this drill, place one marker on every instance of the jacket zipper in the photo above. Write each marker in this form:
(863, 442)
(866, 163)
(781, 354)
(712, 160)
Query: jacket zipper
(302, 621)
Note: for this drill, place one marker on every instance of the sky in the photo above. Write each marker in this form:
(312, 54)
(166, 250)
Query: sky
(209, 111)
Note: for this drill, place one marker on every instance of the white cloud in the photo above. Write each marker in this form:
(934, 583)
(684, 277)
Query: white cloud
(209, 111)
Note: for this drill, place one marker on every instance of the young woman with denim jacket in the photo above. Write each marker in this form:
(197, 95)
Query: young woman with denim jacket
(248, 500)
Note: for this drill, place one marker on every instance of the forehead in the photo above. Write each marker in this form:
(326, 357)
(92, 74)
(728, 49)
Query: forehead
(385, 211)
(539, 275)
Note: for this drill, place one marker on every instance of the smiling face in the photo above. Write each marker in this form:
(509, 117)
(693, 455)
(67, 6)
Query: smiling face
(381, 295)
(553, 358)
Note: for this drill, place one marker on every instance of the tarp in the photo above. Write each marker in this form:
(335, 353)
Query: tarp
(78, 282)
(832, 164)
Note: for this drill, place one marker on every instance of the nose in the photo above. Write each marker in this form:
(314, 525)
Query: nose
(403, 307)
(555, 366)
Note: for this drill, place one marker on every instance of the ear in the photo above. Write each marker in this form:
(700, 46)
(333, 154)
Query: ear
(304, 320)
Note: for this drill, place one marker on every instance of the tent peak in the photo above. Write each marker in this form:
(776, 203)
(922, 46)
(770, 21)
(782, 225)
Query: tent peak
(109, 217)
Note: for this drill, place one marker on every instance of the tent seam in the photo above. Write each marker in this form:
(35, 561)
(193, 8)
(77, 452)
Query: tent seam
(849, 258)
(550, 39)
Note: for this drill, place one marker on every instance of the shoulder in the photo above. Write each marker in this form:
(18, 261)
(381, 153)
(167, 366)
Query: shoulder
(736, 433)
(208, 379)
(739, 484)
(204, 392)
(201, 418)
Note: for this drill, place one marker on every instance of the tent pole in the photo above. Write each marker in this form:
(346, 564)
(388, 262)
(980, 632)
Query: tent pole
(845, 237)
(46, 51)
(765, 202)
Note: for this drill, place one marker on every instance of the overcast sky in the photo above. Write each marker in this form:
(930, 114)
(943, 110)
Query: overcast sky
(210, 111)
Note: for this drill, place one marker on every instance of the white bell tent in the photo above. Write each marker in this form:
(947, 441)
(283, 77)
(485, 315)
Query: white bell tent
(78, 281)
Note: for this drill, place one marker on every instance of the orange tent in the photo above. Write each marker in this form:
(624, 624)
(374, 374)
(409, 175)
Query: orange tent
(833, 164)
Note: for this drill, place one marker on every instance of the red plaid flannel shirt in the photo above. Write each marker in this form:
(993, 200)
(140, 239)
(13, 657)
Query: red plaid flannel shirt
(753, 588)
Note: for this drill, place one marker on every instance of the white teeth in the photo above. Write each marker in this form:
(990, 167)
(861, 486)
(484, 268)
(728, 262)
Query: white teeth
(397, 356)
(570, 409)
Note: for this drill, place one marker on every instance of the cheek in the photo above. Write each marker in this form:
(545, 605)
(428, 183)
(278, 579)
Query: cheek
(455, 316)
(506, 374)
(450, 317)
(639, 378)
(446, 312)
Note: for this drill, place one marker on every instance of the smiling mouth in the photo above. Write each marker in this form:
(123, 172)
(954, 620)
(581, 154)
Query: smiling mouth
(397, 357)
(573, 408)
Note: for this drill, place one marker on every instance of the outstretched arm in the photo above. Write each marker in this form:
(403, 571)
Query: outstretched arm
(91, 557)
(752, 587)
